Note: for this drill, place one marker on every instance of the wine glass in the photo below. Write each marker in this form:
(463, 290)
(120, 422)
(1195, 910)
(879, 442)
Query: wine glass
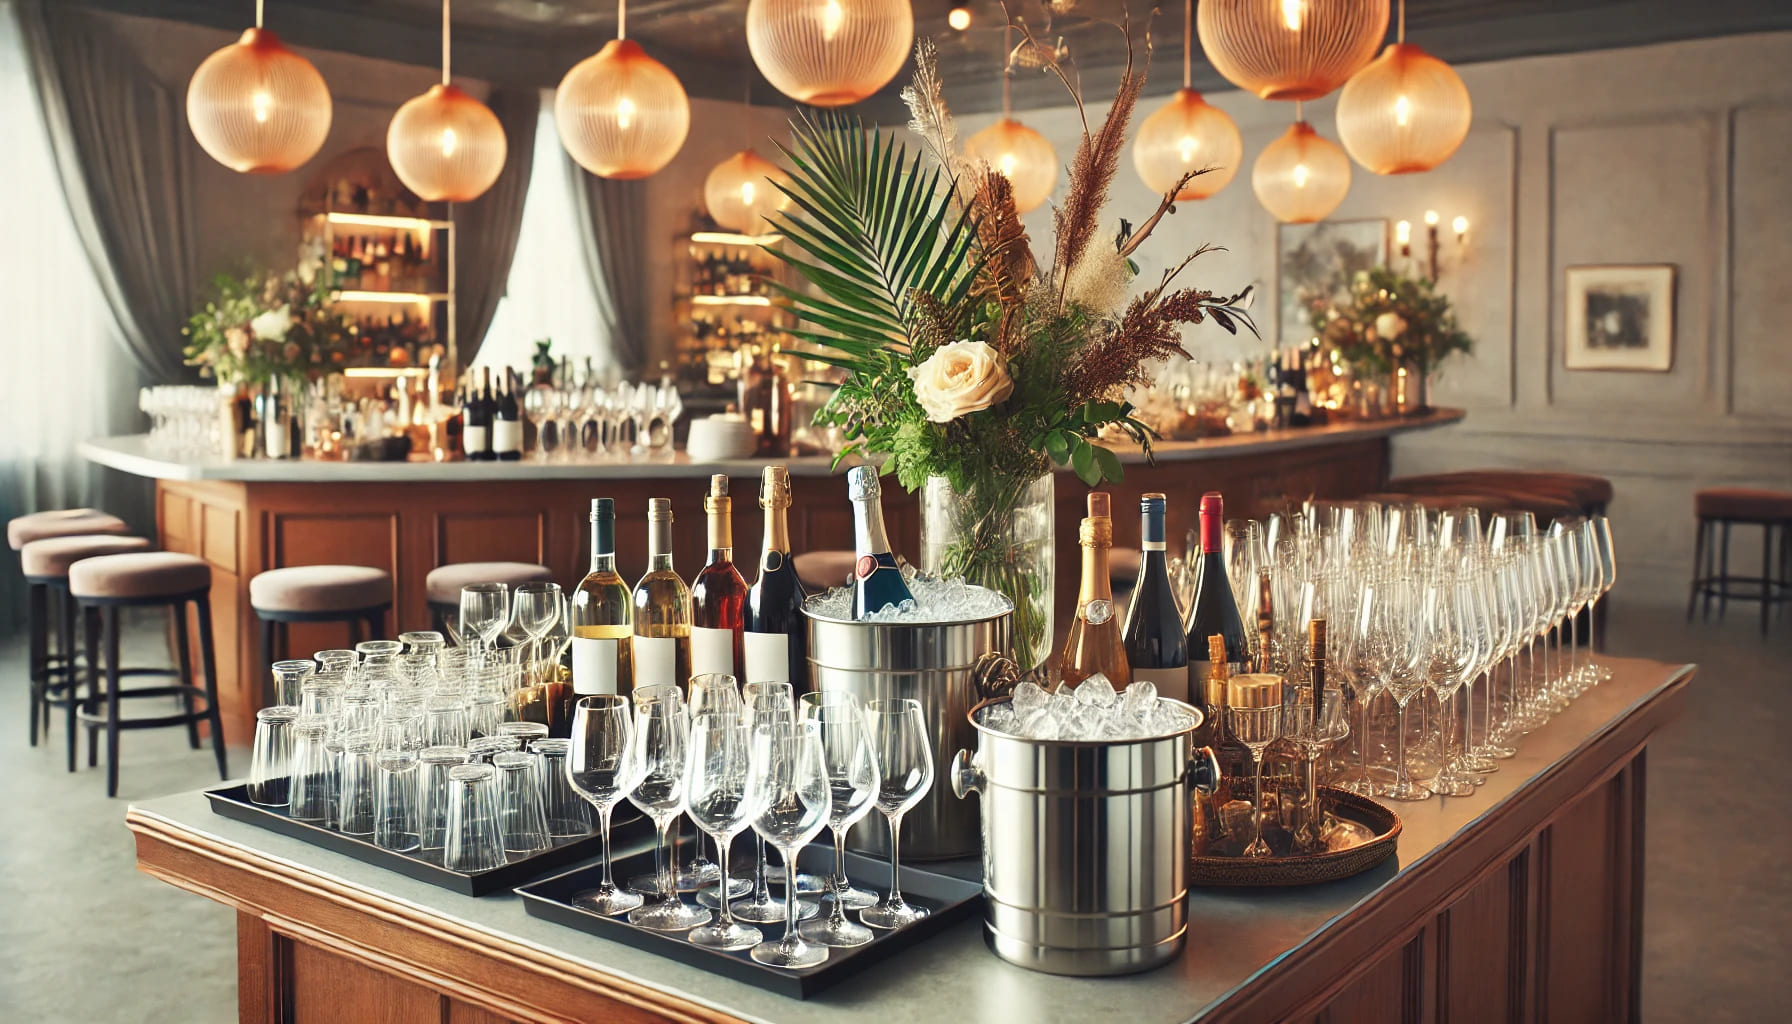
(1257, 728)
(1241, 544)
(767, 704)
(898, 732)
(658, 755)
(1608, 575)
(1314, 730)
(600, 766)
(852, 783)
(537, 607)
(788, 786)
(716, 799)
(706, 692)
(539, 404)
(484, 611)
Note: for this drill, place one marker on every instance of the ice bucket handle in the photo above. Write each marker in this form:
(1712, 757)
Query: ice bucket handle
(1203, 770)
(994, 675)
(967, 778)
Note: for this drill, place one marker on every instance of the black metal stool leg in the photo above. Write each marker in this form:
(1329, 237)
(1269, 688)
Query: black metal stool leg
(1698, 568)
(90, 625)
(1723, 590)
(113, 688)
(208, 661)
(65, 639)
(37, 606)
(177, 613)
(1768, 590)
(267, 658)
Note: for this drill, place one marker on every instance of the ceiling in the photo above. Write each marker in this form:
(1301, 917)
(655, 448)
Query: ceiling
(704, 41)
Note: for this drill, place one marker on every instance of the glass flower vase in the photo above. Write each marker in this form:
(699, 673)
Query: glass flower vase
(998, 536)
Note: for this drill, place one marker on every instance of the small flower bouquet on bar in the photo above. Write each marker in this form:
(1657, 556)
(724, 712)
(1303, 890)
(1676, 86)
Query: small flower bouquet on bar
(970, 368)
(267, 325)
(1392, 322)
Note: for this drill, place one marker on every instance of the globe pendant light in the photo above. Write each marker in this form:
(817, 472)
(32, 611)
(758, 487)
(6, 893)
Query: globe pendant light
(740, 193)
(1301, 177)
(257, 107)
(1406, 111)
(828, 53)
(1019, 153)
(445, 145)
(1187, 134)
(1290, 49)
(620, 113)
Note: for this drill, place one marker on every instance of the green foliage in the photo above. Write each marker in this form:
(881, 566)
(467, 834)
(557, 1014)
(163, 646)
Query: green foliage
(1428, 332)
(222, 340)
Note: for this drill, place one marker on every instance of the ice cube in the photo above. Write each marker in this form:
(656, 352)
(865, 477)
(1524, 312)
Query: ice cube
(1001, 717)
(1139, 699)
(1096, 692)
(1039, 725)
(1029, 697)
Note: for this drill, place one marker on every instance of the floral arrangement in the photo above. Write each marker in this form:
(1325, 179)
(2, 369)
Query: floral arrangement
(1391, 320)
(265, 325)
(964, 357)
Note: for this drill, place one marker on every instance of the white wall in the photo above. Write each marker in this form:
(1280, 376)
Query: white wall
(1679, 153)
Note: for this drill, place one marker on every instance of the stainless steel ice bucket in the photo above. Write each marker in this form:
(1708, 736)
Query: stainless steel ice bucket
(949, 667)
(1085, 847)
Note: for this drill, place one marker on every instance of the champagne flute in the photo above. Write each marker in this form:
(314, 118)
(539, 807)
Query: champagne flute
(1256, 727)
(904, 758)
(852, 783)
(1314, 734)
(789, 788)
(1452, 654)
(601, 769)
(716, 799)
(767, 704)
(659, 758)
(1391, 636)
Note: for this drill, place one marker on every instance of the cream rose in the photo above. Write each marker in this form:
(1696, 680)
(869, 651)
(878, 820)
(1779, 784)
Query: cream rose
(1390, 325)
(961, 377)
(272, 325)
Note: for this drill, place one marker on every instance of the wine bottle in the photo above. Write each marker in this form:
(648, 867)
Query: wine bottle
(876, 577)
(489, 410)
(777, 634)
(662, 607)
(1156, 648)
(718, 594)
(507, 424)
(603, 626)
(1214, 610)
(1095, 644)
(475, 430)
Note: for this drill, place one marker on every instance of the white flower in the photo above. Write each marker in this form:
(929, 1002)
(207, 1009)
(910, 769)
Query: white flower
(272, 325)
(307, 273)
(1390, 326)
(961, 377)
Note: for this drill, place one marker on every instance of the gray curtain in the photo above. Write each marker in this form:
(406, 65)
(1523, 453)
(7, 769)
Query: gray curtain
(486, 229)
(120, 142)
(613, 215)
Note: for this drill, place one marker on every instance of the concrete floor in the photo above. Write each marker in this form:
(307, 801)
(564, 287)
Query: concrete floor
(85, 938)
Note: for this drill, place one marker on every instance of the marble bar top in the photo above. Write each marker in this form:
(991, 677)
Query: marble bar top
(133, 454)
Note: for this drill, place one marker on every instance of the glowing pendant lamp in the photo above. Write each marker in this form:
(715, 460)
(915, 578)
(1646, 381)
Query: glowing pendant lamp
(1407, 111)
(257, 107)
(445, 145)
(1022, 155)
(828, 53)
(1290, 49)
(739, 195)
(620, 113)
(1301, 177)
(1187, 134)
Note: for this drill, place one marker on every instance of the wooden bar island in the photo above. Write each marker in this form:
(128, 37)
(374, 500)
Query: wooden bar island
(245, 517)
(1520, 903)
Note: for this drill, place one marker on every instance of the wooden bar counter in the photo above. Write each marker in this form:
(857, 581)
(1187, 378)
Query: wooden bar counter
(246, 517)
(1521, 903)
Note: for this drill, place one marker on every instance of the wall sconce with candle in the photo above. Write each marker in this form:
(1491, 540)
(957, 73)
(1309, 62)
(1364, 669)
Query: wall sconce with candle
(1433, 254)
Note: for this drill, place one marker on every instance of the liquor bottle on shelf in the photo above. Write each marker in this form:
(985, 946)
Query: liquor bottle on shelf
(603, 626)
(877, 577)
(476, 424)
(1095, 644)
(662, 607)
(1156, 649)
(765, 402)
(507, 423)
(777, 634)
(1213, 610)
(718, 594)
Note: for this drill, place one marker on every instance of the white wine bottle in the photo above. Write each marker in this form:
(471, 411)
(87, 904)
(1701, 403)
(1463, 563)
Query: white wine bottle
(662, 608)
(603, 627)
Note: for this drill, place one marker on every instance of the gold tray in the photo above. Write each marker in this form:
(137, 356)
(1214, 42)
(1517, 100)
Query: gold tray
(1381, 825)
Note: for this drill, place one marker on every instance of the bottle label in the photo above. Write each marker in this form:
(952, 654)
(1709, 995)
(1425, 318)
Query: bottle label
(768, 658)
(656, 660)
(1170, 682)
(507, 436)
(712, 650)
(1098, 611)
(474, 439)
(771, 561)
(593, 665)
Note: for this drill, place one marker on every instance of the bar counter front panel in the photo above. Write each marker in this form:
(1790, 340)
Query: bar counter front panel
(407, 518)
(1521, 903)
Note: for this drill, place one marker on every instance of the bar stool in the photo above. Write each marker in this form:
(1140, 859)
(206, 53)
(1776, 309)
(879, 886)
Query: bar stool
(354, 594)
(57, 621)
(105, 584)
(1723, 507)
(46, 563)
(442, 586)
(821, 571)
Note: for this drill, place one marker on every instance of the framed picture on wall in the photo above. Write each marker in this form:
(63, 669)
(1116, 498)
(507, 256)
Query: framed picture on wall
(1315, 264)
(1620, 318)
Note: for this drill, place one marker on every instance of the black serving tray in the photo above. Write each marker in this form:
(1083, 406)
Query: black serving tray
(950, 899)
(628, 826)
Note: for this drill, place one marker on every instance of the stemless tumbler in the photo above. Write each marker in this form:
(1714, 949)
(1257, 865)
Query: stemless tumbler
(270, 763)
(475, 837)
(354, 808)
(567, 813)
(313, 776)
(290, 678)
(396, 821)
(519, 803)
(432, 792)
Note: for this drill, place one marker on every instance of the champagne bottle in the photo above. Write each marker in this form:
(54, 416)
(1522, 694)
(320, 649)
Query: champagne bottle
(1095, 644)
(1156, 648)
(718, 594)
(777, 634)
(475, 429)
(876, 579)
(507, 423)
(662, 608)
(602, 615)
(1214, 610)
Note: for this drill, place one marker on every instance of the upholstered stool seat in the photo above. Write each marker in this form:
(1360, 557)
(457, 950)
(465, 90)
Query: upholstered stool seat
(1739, 504)
(1718, 509)
(54, 680)
(443, 583)
(51, 557)
(320, 588)
(824, 570)
(66, 522)
(105, 583)
(1546, 508)
(1588, 494)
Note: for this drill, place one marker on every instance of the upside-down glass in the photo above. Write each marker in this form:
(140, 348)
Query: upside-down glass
(662, 732)
(789, 786)
(766, 704)
(852, 784)
(600, 769)
(475, 835)
(434, 764)
(312, 775)
(445, 720)
(397, 820)
(904, 757)
(270, 762)
(354, 807)
(716, 799)
(567, 813)
(519, 803)
(290, 678)
(487, 747)
(423, 641)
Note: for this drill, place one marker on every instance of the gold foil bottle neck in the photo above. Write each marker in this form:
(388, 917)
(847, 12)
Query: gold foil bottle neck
(774, 487)
(1254, 690)
(1097, 531)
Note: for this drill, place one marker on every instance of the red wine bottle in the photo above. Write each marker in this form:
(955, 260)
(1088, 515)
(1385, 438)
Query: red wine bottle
(777, 634)
(1214, 610)
(1156, 647)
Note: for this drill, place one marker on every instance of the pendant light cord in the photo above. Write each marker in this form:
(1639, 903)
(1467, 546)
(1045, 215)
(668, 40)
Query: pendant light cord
(1188, 18)
(622, 19)
(258, 4)
(1007, 66)
(445, 80)
(1298, 116)
(1400, 35)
